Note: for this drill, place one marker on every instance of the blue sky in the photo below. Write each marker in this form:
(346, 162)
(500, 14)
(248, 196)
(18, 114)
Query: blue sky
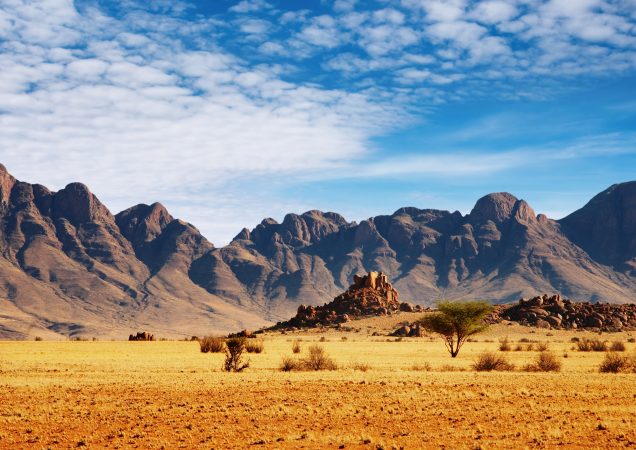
(231, 111)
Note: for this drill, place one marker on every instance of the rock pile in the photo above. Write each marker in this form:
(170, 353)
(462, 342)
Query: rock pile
(369, 295)
(410, 330)
(554, 312)
(141, 336)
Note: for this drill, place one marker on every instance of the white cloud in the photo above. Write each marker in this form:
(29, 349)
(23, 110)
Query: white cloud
(165, 122)
(87, 68)
(255, 26)
(321, 31)
(250, 6)
(494, 11)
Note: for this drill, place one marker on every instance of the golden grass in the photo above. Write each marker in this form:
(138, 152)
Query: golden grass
(170, 395)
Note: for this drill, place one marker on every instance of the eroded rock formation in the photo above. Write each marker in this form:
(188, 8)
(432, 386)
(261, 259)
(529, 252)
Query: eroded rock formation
(369, 295)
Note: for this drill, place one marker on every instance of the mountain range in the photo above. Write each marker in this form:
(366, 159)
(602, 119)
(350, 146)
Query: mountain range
(70, 268)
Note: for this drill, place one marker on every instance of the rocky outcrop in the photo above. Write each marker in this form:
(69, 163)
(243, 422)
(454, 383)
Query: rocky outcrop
(414, 329)
(369, 295)
(141, 336)
(554, 312)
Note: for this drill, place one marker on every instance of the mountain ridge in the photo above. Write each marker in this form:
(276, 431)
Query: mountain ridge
(68, 267)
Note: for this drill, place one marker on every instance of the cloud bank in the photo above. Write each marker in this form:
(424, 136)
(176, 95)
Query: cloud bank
(211, 112)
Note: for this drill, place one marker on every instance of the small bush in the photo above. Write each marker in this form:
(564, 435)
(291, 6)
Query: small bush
(487, 362)
(344, 338)
(504, 345)
(614, 363)
(254, 346)
(530, 347)
(288, 364)
(38, 338)
(519, 348)
(296, 347)
(617, 346)
(234, 361)
(542, 347)
(426, 367)
(575, 339)
(362, 367)
(546, 362)
(631, 340)
(318, 359)
(212, 344)
(592, 345)
(323, 339)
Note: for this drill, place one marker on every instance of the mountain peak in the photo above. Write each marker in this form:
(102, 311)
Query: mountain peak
(497, 207)
(606, 226)
(6, 184)
(77, 204)
(142, 223)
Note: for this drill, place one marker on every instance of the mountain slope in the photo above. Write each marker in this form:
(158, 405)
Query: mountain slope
(68, 267)
(500, 251)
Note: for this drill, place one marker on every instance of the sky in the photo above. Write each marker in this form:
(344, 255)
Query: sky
(228, 112)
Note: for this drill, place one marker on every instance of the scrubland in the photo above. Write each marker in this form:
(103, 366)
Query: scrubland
(385, 393)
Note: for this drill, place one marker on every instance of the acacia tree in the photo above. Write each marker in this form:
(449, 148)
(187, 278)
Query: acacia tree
(456, 322)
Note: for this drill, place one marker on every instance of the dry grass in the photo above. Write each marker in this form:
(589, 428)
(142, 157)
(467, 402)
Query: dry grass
(592, 345)
(254, 345)
(545, 362)
(487, 362)
(156, 395)
(212, 344)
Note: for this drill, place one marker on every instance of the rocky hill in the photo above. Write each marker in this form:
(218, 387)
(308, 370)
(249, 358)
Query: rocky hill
(69, 267)
(369, 295)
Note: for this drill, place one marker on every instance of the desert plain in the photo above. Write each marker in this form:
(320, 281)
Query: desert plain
(386, 393)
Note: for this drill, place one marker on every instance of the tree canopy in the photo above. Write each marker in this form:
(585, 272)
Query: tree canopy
(456, 322)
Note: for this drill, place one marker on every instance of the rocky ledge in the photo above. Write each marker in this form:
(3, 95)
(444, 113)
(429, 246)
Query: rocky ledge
(369, 295)
(554, 312)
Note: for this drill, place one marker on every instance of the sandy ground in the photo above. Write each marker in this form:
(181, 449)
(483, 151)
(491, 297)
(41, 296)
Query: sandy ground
(410, 395)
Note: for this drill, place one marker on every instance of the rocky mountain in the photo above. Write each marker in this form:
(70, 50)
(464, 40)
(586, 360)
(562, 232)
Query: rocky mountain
(68, 267)
(501, 251)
